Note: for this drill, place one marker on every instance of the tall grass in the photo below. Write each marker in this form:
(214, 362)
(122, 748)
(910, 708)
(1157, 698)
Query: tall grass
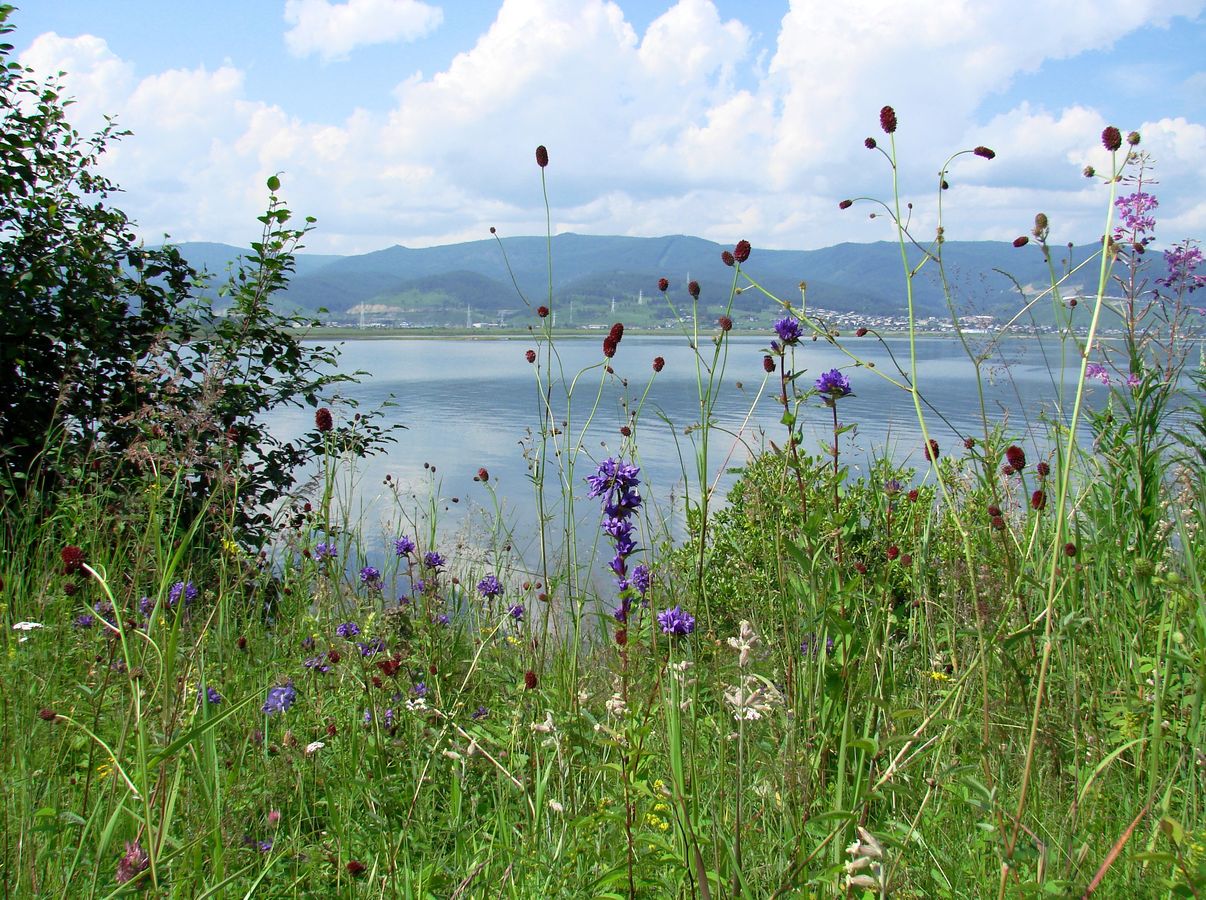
(951, 682)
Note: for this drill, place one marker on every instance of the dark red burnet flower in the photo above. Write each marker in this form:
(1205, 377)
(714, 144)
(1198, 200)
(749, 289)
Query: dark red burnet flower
(893, 552)
(994, 510)
(742, 251)
(1016, 457)
(1021, 240)
(887, 119)
(768, 363)
(621, 637)
(663, 285)
(931, 450)
(1038, 500)
(1043, 469)
(969, 443)
(860, 332)
(984, 152)
(625, 431)
(906, 560)
(913, 495)
(1069, 549)
(870, 144)
(529, 680)
(860, 567)
(530, 356)
(483, 474)
(390, 667)
(998, 523)
(727, 258)
(73, 559)
(542, 311)
(693, 290)
(542, 156)
(1111, 138)
(47, 714)
(658, 363)
(493, 230)
(725, 323)
(355, 867)
(846, 204)
(322, 419)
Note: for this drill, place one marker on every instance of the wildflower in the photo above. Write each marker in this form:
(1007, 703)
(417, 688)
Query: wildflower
(420, 689)
(846, 204)
(752, 699)
(322, 419)
(676, 622)
(1097, 371)
(1111, 138)
(860, 332)
(280, 698)
(480, 713)
(73, 559)
(132, 863)
(1043, 469)
(1021, 241)
(516, 612)
(84, 621)
(768, 364)
(693, 289)
(788, 329)
(834, 384)
(317, 664)
(744, 642)
(1069, 549)
(997, 523)
(324, 550)
(984, 153)
(311, 748)
(542, 311)
(403, 546)
(1089, 172)
(1016, 457)
(1181, 263)
(658, 363)
(530, 356)
(181, 588)
(1133, 380)
(969, 443)
(371, 647)
(347, 630)
(913, 495)
(483, 475)
(1038, 500)
(542, 156)
(893, 552)
(27, 626)
(443, 619)
(355, 867)
(1133, 138)
(433, 560)
(210, 695)
(742, 251)
(1135, 212)
(887, 119)
(47, 715)
(663, 285)
(529, 680)
(490, 587)
(727, 258)
(931, 450)
(370, 576)
(641, 579)
(725, 323)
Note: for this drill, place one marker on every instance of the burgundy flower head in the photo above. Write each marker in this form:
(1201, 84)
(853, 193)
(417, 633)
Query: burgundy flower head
(73, 559)
(846, 204)
(742, 251)
(663, 285)
(482, 474)
(542, 156)
(322, 419)
(658, 363)
(931, 450)
(1016, 457)
(887, 119)
(1038, 500)
(1021, 241)
(529, 680)
(984, 152)
(693, 290)
(725, 323)
(869, 143)
(727, 258)
(768, 363)
(530, 356)
(1111, 138)
(860, 332)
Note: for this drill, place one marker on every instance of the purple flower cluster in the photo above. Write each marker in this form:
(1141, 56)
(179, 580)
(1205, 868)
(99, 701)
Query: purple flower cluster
(325, 550)
(789, 330)
(209, 695)
(188, 590)
(615, 482)
(833, 384)
(317, 664)
(676, 622)
(370, 577)
(280, 698)
(371, 647)
(347, 630)
(490, 587)
(1182, 262)
(516, 612)
(433, 560)
(403, 546)
(1097, 372)
(1135, 212)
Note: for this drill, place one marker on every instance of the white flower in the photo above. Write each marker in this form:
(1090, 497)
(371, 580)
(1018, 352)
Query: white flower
(556, 807)
(26, 626)
(545, 727)
(744, 643)
(313, 747)
(616, 705)
(753, 699)
(416, 705)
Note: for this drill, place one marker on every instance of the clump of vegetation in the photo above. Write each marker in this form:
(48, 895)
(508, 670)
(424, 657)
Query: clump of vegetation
(981, 675)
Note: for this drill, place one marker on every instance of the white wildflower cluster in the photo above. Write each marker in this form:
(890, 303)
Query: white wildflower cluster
(416, 705)
(866, 869)
(678, 671)
(754, 698)
(744, 643)
(616, 705)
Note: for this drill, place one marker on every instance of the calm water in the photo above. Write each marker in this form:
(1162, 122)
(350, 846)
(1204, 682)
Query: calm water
(471, 403)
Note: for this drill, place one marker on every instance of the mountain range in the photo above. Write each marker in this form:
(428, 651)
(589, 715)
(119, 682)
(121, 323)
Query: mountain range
(593, 277)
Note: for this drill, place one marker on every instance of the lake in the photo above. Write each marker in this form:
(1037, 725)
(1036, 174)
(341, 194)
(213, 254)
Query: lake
(473, 403)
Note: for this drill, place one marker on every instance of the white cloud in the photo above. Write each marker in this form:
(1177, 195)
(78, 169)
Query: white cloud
(332, 30)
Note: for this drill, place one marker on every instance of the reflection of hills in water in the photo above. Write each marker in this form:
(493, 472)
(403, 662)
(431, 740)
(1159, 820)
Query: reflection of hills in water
(597, 278)
(473, 403)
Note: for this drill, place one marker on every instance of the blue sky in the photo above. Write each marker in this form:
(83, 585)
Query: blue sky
(407, 122)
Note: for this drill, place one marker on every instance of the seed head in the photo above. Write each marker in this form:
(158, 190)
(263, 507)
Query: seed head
(542, 156)
(887, 119)
(984, 152)
(1111, 138)
(529, 680)
(1069, 549)
(1089, 172)
(1041, 226)
(969, 443)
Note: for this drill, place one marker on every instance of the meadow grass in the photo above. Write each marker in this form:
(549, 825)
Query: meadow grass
(980, 677)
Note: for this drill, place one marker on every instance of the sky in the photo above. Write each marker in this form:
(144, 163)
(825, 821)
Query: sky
(415, 122)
